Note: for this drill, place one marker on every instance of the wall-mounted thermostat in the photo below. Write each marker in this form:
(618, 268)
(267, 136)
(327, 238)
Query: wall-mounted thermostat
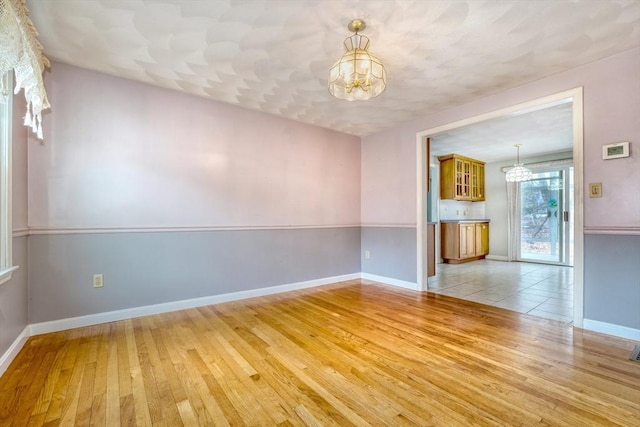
(615, 151)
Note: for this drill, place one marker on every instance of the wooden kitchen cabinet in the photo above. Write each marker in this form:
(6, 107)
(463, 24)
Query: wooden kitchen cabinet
(464, 241)
(477, 181)
(467, 238)
(482, 238)
(461, 178)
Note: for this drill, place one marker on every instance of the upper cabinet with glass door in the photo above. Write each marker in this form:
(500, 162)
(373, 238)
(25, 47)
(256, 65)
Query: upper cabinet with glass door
(461, 178)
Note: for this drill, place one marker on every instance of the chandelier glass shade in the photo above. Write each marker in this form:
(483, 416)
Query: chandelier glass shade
(357, 75)
(518, 172)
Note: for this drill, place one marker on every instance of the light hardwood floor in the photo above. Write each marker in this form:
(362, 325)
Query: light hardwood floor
(353, 353)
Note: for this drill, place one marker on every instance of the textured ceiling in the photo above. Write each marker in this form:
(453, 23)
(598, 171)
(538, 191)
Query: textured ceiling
(274, 56)
(540, 131)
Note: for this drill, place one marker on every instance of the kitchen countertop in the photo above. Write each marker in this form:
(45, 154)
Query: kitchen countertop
(461, 221)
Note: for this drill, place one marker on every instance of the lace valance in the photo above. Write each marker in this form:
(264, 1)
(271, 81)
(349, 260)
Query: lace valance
(21, 52)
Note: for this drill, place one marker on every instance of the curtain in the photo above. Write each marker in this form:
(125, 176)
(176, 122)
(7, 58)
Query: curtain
(21, 52)
(513, 220)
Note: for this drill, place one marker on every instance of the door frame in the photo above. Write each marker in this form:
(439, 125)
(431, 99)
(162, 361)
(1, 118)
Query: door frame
(422, 162)
(565, 228)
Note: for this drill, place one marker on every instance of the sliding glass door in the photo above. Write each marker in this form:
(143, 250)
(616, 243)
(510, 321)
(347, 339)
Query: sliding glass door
(546, 217)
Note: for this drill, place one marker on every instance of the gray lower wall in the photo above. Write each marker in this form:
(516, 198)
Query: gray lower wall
(151, 268)
(14, 307)
(393, 252)
(612, 279)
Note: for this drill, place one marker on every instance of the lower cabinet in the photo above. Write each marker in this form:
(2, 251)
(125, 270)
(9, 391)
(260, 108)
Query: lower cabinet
(467, 239)
(464, 242)
(482, 238)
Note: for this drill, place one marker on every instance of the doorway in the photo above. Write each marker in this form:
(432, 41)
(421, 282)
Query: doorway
(575, 96)
(546, 217)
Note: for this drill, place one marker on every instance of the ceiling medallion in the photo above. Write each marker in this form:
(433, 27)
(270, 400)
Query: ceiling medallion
(357, 75)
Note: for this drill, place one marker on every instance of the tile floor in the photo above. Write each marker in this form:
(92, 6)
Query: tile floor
(537, 289)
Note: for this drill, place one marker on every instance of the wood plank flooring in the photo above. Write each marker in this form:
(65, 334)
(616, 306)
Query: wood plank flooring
(349, 354)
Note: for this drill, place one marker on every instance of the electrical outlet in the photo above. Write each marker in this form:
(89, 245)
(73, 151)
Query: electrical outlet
(98, 280)
(367, 254)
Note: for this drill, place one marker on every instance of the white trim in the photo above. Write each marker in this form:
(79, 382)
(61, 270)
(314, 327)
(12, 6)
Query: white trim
(576, 96)
(423, 164)
(6, 142)
(518, 108)
(497, 258)
(100, 230)
(618, 230)
(578, 206)
(5, 275)
(129, 313)
(611, 329)
(390, 225)
(112, 316)
(390, 281)
(14, 349)
(20, 232)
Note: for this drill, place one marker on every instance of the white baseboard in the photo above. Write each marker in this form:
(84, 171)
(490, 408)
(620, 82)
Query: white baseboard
(611, 329)
(112, 316)
(390, 281)
(497, 258)
(129, 313)
(14, 349)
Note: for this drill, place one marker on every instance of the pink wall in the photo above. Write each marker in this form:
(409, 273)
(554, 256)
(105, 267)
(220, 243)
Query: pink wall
(122, 154)
(611, 114)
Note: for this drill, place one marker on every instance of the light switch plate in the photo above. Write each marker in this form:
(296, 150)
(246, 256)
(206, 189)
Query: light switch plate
(595, 189)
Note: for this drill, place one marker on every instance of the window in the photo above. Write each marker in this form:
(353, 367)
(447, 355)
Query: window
(6, 231)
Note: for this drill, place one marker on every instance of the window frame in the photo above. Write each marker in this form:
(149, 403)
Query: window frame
(6, 227)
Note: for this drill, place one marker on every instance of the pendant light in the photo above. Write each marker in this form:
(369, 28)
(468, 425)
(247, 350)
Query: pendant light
(357, 75)
(518, 173)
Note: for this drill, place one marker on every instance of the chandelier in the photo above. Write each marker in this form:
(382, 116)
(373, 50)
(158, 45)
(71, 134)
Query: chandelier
(357, 75)
(518, 173)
